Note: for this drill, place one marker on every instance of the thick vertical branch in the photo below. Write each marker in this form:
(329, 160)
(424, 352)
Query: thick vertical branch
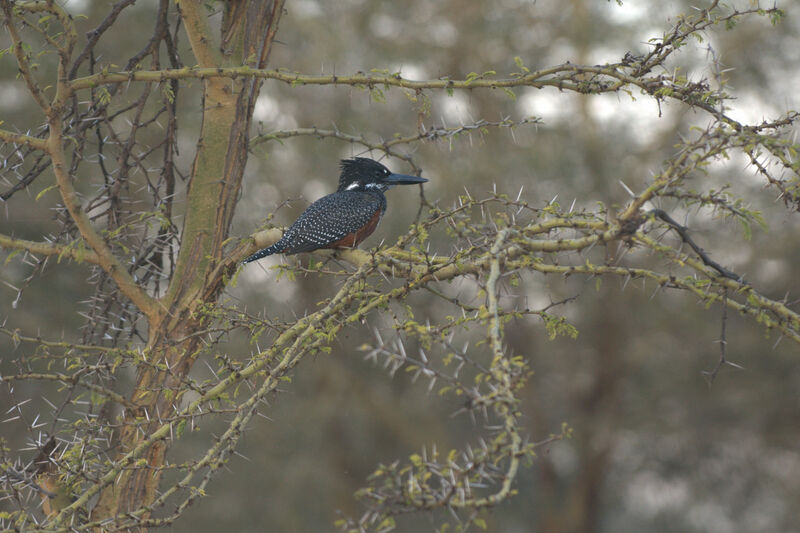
(217, 172)
(502, 372)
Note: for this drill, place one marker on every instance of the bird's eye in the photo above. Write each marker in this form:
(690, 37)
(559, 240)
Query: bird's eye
(386, 171)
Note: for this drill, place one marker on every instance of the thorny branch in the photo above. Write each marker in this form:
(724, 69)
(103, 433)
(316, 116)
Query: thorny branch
(683, 231)
(492, 253)
(489, 241)
(711, 375)
(387, 146)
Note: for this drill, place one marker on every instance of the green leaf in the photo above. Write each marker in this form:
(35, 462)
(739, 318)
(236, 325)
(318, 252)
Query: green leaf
(11, 255)
(103, 95)
(510, 93)
(45, 191)
(169, 94)
(180, 428)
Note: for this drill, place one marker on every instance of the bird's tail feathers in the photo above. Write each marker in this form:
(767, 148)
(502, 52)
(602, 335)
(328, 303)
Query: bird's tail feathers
(274, 249)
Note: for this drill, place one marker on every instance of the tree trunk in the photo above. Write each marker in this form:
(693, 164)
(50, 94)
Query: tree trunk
(248, 30)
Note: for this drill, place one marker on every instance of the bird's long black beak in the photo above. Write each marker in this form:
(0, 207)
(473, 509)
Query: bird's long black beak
(403, 179)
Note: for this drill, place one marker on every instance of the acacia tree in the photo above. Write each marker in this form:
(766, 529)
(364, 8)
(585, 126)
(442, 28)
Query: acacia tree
(154, 240)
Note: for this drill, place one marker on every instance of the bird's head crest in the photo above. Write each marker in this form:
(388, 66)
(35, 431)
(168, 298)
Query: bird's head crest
(361, 173)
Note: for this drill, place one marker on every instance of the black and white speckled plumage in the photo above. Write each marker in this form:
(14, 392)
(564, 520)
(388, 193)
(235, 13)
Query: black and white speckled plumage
(328, 220)
(349, 212)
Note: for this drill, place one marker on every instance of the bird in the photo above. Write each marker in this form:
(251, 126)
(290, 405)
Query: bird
(345, 218)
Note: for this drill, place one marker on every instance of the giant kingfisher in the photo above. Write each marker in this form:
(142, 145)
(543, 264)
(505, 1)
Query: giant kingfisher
(345, 218)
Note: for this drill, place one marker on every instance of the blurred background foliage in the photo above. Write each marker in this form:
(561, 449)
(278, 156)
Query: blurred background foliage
(655, 447)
